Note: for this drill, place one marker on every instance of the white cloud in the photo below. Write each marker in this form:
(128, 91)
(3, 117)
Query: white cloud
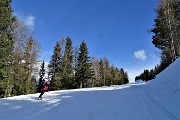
(141, 54)
(29, 20)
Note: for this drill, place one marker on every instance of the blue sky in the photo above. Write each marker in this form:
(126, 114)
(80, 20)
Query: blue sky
(116, 29)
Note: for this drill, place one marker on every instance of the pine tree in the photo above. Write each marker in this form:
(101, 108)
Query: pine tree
(116, 77)
(106, 70)
(152, 74)
(122, 78)
(167, 33)
(126, 78)
(55, 66)
(75, 65)
(6, 48)
(112, 74)
(166, 28)
(41, 74)
(101, 72)
(30, 58)
(67, 65)
(83, 73)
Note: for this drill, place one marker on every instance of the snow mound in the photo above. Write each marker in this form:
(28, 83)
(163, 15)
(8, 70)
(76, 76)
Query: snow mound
(165, 90)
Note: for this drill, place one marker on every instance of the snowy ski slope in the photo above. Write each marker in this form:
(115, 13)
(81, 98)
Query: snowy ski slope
(156, 100)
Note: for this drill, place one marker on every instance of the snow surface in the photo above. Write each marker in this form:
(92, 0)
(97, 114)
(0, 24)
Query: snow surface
(156, 100)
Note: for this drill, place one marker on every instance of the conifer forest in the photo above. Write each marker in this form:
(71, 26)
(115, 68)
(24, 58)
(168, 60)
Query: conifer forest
(69, 68)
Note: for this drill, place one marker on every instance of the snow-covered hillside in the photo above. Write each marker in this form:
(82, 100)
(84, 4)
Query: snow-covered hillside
(156, 100)
(165, 91)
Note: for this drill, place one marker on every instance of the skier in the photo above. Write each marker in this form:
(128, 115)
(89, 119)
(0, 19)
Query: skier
(44, 88)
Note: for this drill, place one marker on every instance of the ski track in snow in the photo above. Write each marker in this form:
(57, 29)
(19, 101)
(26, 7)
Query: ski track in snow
(127, 102)
(155, 100)
(160, 109)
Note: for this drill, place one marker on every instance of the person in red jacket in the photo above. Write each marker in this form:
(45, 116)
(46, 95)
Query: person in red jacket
(45, 88)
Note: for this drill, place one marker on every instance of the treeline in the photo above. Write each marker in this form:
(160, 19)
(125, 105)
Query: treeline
(18, 54)
(71, 68)
(149, 74)
(166, 36)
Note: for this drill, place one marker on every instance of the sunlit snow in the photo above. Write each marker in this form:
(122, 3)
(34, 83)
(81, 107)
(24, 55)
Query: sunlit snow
(155, 100)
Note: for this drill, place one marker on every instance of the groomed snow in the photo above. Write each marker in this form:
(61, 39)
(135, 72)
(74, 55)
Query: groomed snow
(156, 100)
